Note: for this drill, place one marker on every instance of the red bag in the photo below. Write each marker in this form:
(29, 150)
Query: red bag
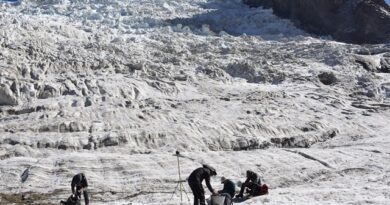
(263, 189)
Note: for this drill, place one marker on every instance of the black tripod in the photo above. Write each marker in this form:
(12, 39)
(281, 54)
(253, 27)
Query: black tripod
(179, 185)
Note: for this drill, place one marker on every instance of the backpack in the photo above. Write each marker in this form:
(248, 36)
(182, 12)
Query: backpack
(263, 189)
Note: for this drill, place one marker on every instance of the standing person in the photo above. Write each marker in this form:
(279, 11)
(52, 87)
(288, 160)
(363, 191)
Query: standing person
(253, 183)
(195, 181)
(79, 186)
(229, 187)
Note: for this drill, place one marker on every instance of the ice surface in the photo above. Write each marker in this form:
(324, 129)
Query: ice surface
(114, 88)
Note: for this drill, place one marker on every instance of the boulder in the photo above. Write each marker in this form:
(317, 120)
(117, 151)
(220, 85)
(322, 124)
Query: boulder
(15, 88)
(48, 91)
(327, 78)
(7, 97)
(351, 21)
(88, 102)
(385, 65)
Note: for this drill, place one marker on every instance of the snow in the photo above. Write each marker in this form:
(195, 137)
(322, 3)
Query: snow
(114, 88)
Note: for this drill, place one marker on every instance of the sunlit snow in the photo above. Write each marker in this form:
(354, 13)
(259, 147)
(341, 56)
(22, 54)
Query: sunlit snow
(114, 88)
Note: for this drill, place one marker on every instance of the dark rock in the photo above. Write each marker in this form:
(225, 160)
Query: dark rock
(327, 78)
(89, 146)
(385, 65)
(24, 111)
(303, 141)
(63, 147)
(7, 97)
(352, 21)
(128, 103)
(48, 91)
(135, 66)
(40, 108)
(110, 141)
(15, 88)
(291, 142)
(11, 142)
(181, 77)
(214, 73)
(88, 102)
(386, 90)
(69, 92)
(74, 103)
(249, 144)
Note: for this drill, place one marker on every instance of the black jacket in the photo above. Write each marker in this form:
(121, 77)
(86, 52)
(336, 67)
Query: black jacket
(200, 174)
(229, 187)
(79, 180)
(252, 177)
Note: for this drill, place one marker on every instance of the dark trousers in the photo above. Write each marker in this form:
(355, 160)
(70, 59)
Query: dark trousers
(198, 191)
(86, 197)
(253, 188)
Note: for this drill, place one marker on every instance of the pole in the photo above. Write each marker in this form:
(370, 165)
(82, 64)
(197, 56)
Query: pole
(180, 182)
(178, 166)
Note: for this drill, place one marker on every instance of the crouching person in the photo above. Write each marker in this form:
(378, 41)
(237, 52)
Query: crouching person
(229, 187)
(79, 186)
(229, 190)
(195, 182)
(252, 183)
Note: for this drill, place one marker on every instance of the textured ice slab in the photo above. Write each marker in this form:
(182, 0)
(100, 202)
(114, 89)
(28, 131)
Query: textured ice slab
(113, 89)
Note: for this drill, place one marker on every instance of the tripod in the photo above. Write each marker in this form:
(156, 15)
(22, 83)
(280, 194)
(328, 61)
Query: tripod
(180, 182)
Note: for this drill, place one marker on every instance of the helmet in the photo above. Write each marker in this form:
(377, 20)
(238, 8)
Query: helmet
(212, 170)
(223, 179)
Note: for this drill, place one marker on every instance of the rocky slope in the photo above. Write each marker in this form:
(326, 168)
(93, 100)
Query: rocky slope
(353, 21)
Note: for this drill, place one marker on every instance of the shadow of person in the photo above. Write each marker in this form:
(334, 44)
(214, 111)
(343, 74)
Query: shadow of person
(239, 200)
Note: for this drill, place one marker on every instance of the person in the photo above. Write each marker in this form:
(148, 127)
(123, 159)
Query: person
(229, 187)
(195, 182)
(253, 183)
(72, 200)
(79, 185)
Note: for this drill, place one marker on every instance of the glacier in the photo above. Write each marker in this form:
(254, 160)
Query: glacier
(113, 88)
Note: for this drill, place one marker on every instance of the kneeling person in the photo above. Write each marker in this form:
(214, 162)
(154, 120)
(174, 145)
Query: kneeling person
(229, 187)
(252, 182)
